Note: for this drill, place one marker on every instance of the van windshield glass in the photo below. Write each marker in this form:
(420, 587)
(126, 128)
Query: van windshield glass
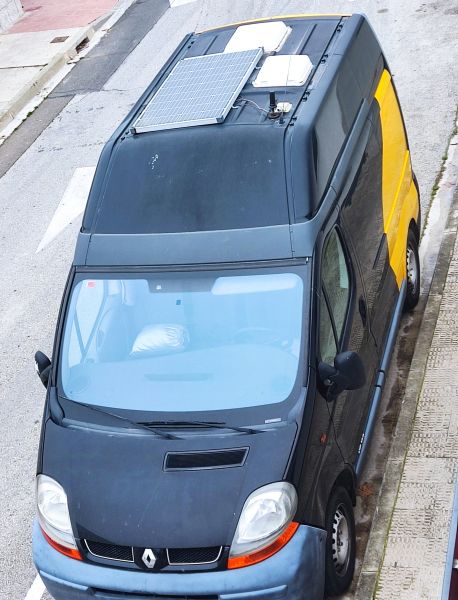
(183, 342)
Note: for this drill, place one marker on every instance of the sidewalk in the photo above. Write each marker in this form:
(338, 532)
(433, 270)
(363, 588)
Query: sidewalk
(410, 549)
(417, 561)
(34, 49)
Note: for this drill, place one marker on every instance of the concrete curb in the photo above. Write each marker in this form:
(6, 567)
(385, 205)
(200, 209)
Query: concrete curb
(373, 559)
(67, 52)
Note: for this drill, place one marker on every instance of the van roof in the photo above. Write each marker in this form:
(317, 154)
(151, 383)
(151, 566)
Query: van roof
(248, 172)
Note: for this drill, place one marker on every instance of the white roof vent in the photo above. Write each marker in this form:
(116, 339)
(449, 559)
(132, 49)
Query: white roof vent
(284, 71)
(270, 36)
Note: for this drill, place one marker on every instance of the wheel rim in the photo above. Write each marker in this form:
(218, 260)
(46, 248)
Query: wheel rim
(412, 269)
(340, 541)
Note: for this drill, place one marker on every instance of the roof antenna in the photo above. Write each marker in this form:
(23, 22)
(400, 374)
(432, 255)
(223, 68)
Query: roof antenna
(283, 105)
(273, 113)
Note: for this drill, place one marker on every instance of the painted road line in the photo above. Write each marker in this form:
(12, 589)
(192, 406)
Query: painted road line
(37, 589)
(71, 206)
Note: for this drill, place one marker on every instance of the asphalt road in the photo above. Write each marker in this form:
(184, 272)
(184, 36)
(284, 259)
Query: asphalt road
(68, 132)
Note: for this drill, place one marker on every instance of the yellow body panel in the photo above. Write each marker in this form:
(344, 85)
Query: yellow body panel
(298, 16)
(399, 193)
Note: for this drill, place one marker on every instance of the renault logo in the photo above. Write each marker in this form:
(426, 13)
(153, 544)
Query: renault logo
(148, 558)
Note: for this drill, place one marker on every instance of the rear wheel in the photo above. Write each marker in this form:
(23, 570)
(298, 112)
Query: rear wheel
(340, 542)
(413, 272)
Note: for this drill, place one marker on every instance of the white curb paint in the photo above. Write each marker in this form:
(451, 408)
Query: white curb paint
(37, 589)
(71, 206)
(437, 215)
(174, 3)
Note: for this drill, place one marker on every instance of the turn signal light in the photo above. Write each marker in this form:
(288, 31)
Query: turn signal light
(237, 562)
(62, 549)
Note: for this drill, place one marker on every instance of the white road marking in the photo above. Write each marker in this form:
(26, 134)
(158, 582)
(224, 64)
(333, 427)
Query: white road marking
(174, 3)
(37, 589)
(71, 206)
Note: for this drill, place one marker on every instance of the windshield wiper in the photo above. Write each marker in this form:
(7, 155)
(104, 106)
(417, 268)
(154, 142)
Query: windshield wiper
(138, 425)
(198, 424)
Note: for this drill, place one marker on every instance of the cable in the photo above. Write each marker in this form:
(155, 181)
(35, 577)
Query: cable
(247, 101)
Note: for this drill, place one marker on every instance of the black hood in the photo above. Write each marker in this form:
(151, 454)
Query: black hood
(118, 490)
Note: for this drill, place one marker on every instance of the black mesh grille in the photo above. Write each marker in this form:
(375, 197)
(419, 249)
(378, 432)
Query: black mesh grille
(189, 556)
(205, 460)
(110, 551)
(103, 595)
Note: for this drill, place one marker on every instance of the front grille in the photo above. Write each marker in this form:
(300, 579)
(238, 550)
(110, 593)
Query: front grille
(172, 556)
(104, 595)
(206, 459)
(110, 551)
(193, 556)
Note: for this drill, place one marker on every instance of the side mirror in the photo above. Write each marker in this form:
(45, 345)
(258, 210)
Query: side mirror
(346, 374)
(42, 367)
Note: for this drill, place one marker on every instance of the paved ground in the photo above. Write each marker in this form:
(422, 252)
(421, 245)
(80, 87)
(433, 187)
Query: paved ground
(420, 524)
(68, 132)
(38, 45)
(40, 15)
(435, 253)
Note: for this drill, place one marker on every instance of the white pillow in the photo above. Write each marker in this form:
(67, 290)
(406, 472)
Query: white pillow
(158, 339)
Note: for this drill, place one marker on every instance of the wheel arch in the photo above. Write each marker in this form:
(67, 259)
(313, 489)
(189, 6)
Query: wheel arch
(327, 483)
(414, 227)
(347, 480)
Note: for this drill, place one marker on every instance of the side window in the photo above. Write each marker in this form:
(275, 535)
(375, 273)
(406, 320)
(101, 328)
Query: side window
(363, 217)
(335, 296)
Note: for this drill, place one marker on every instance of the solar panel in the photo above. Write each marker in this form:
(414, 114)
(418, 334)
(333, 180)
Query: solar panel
(199, 91)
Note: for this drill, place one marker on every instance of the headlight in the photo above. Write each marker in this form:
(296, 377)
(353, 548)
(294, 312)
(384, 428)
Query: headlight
(266, 515)
(54, 517)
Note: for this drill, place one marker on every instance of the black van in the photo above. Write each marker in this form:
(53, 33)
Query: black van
(248, 246)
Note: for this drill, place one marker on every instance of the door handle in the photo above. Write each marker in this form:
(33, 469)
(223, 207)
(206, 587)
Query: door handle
(363, 310)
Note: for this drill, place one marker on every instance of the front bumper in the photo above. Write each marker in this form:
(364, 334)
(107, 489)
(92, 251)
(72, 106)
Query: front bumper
(296, 572)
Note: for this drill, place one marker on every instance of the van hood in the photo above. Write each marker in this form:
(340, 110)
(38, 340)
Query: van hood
(118, 490)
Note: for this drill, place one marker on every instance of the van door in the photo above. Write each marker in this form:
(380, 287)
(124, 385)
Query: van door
(344, 325)
(363, 221)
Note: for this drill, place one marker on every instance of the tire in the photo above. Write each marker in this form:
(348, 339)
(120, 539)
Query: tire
(413, 272)
(340, 543)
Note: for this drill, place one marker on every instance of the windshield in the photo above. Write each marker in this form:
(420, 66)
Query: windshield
(183, 341)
